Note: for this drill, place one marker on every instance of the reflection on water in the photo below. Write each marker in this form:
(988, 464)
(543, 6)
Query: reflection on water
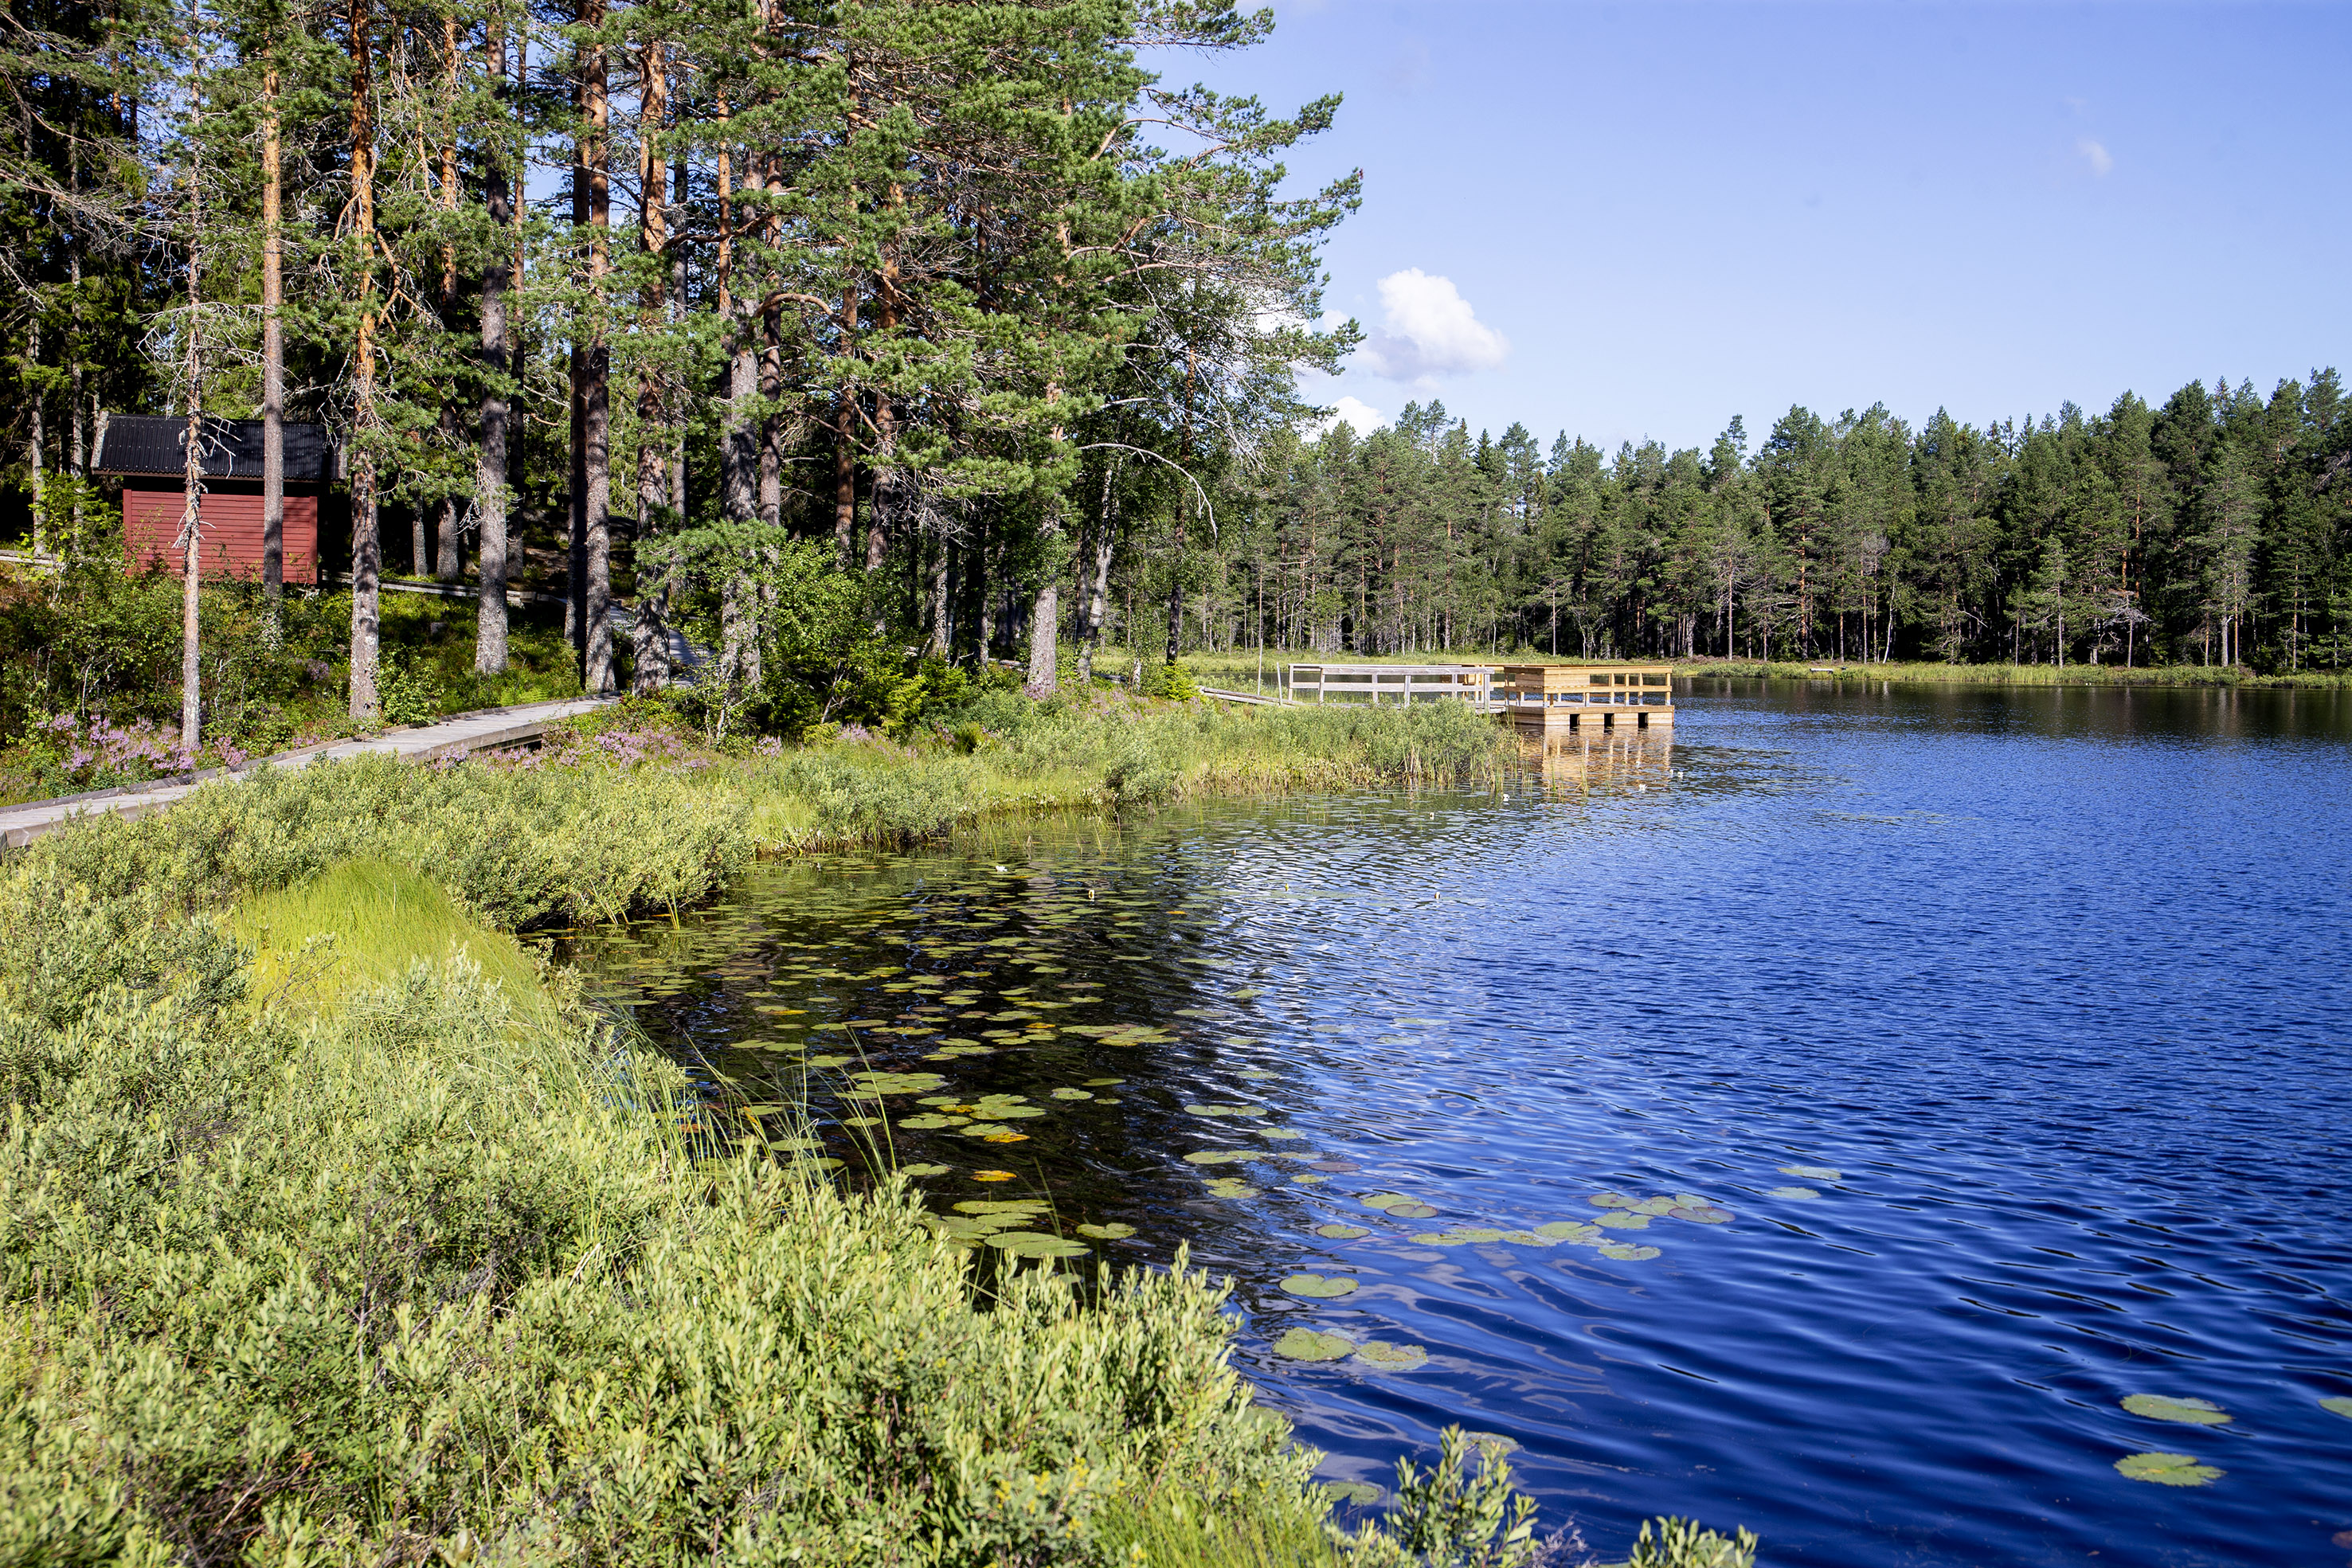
(1823, 1116)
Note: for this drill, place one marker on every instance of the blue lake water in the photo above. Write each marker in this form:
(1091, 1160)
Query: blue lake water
(2046, 995)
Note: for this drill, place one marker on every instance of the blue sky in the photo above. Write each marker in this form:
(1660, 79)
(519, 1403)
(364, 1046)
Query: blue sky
(1635, 221)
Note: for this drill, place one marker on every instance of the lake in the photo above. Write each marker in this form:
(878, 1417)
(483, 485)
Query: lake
(1820, 1117)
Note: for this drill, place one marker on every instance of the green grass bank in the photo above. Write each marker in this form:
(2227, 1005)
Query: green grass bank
(335, 1227)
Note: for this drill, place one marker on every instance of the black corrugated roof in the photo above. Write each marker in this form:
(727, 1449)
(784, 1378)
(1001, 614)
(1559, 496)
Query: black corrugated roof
(142, 443)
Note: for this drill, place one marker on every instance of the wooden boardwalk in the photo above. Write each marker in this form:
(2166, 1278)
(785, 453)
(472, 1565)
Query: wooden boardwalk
(1536, 700)
(484, 731)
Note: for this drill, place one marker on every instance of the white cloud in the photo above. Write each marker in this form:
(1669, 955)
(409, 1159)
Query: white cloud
(1360, 417)
(2097, 156)
(1429, 330)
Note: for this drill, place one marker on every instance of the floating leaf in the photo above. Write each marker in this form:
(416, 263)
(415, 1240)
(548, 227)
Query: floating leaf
(1625, 1254)
(1073, 1094)
(1384, 1199)
(2337, 1406)
(828, 1061)
(1610, 1200)
(1280, 1135)
(1006, 1135)
(816, 1162)
(925, 1170)
(1103, 1082)
(1813, 1173)
(1363, 1494)
(1231, 1186)
(984, 1129)
(863, 1121)
(1494, 1441)
(1002, 1205)
(1460, 1236)
(991, 1176)
(1338, 1232)
(1792, 1192)
(1319, 1285)
(1305, 1345)
(2167, 1470)
(2160, 1407)
(929, 1121)
(1393, 1357)
(1226, 1109)
(1308, 1180)
(1624, 1220)
(1656, 1207)
(790, 1144)
(1110, 1232)
(1413, 1212)
(1568, 1231)
(1216, 1156)
(1702, 1214)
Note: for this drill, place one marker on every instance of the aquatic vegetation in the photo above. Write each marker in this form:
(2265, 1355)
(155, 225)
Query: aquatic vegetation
(2162, 1407)
(1798, 1192)
(925, 1170)
(1612, 1200)
(1493, 1442)
(2337, 1405)
(1217, 1156)
(1305, 1345)
(1460, 1236)
(1338, 1232)
(1625, 1220)
(1392, 1357)
(1628, 1254)
(1398, 1206)
(1226, 1109)
(896, 1082)
(1701, 1213)
(1364, 1494)
(993, 1176)
(2169, 1469)
(1231, 1186)
(1319, 1285)
(1811, 1173)
(1280, 1135)
(932, 1122)
(1110, 1231)
(1568, 1231)
(1068, 1094)
(1683, 1544)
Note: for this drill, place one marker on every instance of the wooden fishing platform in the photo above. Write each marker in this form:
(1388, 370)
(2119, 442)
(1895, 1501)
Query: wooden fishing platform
(1536, 700)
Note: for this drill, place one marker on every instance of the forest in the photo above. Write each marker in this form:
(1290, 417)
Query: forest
(872, 336)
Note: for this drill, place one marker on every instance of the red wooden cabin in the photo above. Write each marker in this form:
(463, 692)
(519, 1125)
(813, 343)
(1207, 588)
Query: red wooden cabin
(149, 455)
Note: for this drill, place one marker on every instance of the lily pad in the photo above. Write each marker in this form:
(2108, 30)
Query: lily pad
(1625, 1220)
(2337, 1406)
(1568, 1231)
(1494, 1442)
(1413, 1212)
(789, 1144)
(1226, 1109)
(925, 1170)
(1231, 1186)
(1104, 1082)
(1393, 1357)
(1043, 1247)
(993, 1175)
(1364, 1494)
(1812, 1173)
(864, 1122)
(1701, 1213)
(1799, 1192)
(1384, 1200)
(827, 1060)
(1338, 1232)
(1625, 1254)
(1279, 1134)
(1216, 1156)
(1656, 1207)
(1110, 1232)
(1319, 1285)
(2162, 1407)
(1305, 1345)
(2167, 1470)
(1003, 1206)
(931, 1120)
(1612, 1200)
(1308, 1180)
(1073, 1094)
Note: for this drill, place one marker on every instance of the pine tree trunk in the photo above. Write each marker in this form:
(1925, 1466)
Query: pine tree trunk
(596, 407)
(367, 544)
(273, 350)
(490, 470)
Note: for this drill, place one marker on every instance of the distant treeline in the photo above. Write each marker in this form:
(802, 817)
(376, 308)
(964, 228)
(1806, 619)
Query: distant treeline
(2212, 531)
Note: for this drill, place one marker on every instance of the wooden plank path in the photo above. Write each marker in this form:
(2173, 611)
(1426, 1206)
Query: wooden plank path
(486, 730)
